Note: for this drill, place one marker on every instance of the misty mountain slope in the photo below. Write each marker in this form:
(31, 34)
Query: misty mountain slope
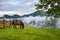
(36, 13)
(36, 19)
(12, 16)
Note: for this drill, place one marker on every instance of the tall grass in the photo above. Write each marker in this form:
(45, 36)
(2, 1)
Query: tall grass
(29, 33)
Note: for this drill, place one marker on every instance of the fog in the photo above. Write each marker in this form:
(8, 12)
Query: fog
(40, 22)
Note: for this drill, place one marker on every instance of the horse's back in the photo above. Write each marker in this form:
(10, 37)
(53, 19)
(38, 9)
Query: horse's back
(17, 22)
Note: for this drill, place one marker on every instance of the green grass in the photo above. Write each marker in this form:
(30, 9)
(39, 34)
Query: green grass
(29, 33)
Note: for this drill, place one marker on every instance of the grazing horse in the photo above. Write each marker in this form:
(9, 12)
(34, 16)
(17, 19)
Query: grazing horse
(18, 22)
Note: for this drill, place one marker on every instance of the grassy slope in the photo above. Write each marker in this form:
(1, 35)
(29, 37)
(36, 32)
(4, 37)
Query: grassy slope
(29, 33)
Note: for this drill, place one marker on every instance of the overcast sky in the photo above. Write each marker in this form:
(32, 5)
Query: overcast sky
(17, 6)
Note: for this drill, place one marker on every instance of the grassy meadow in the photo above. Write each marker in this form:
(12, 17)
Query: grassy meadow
(29, 33)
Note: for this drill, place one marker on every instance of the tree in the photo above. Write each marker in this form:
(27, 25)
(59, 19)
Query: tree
(52, 7)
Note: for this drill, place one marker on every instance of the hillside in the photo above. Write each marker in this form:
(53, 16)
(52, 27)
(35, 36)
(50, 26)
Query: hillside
(29, 33)
(13, 16)
(36, 13)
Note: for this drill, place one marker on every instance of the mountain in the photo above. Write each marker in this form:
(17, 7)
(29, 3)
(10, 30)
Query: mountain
(37, 13)
(13, 16)
(16, 16)
(7, 16)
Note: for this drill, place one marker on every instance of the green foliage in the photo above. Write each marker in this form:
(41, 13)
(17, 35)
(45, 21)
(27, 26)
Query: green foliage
(29, 33)
(54, 9)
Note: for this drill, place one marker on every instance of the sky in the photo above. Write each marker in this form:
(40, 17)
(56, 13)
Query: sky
(20, 7)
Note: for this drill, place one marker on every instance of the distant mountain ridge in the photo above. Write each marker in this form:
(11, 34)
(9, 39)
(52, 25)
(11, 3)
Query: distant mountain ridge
(37, 13)
(13, 16)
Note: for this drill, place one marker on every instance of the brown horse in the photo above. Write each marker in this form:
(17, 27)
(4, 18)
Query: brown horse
(18, 22)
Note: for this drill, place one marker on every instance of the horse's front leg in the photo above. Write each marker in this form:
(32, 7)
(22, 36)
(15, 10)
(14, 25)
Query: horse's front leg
(22, 26)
